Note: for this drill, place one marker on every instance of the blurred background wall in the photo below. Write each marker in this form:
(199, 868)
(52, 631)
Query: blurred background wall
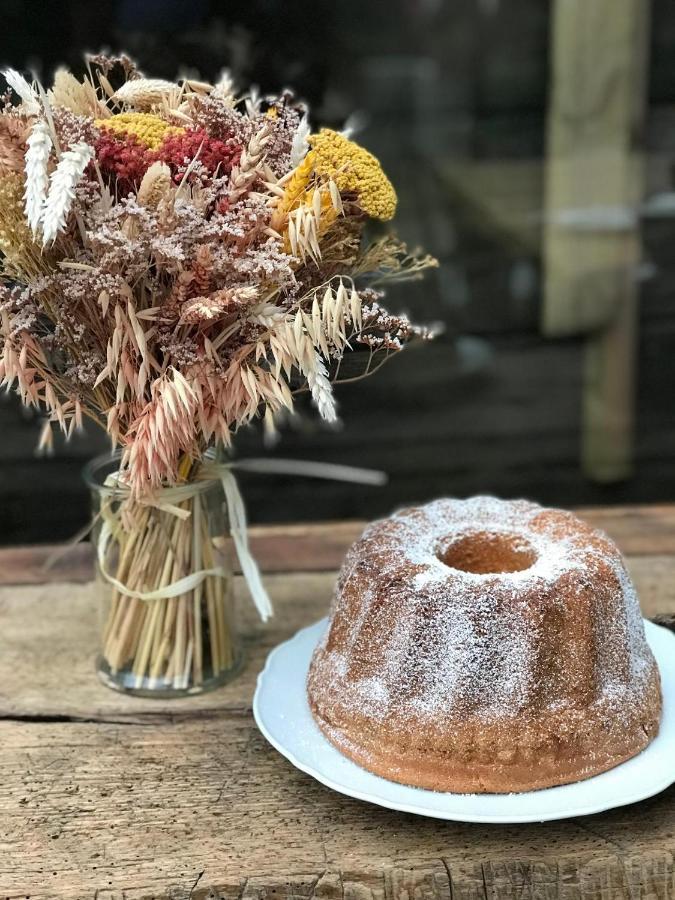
(532, 144)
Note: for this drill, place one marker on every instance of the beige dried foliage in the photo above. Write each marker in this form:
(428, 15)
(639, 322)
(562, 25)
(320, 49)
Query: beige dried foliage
(202, 270)
(145, 93)
(62, 183)
(181, 289)
(166, 218)
(194, 86)
(249, 169)
(176, 115)
(130, 227)
(205, 310)
(321, 326)
(224, 88)
(304, 214)
(156, 186)
(17, 365)
(216, 325)
(248, 387)
(23, 366)
(321, 389)
(13, 134)
(162, 432)
(79, 97)
(390, 259)
(196, 195)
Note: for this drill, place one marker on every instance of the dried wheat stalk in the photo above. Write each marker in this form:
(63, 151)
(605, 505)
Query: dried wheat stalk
(176, 643)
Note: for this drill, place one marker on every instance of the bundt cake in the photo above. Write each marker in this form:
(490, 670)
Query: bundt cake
(485, 645)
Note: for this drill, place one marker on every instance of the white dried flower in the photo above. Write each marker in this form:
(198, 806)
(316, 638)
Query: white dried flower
(299, 146)
(62, 189)
(144, 93)
(224, 88)
(37, 179)
(25, 90)
(253, 101)
(322, 390)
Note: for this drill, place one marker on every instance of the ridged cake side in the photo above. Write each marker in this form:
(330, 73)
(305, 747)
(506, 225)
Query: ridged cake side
(485, 681)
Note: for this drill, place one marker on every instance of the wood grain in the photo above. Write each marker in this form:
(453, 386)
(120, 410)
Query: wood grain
(48, 640)
(278, 548)
(117, 798)
(143, 811)
(320, 547)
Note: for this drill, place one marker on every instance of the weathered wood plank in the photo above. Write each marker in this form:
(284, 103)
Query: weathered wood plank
(638, 530)
(278, 548)
(608, 402)
(107, 796)
(48, 644)
(503, 198)
(320, 547)
(142, 811)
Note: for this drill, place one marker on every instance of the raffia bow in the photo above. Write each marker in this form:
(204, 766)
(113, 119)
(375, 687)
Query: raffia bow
(168, 500)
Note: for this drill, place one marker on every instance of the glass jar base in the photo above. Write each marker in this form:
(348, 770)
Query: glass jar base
(165, 583)
(126, 682)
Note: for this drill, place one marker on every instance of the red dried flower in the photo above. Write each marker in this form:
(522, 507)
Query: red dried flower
(178, 150)
(127, 159)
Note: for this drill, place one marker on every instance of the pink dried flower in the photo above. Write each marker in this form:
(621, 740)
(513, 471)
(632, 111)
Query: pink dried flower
(73, 129)
(218, 118)
(164, 429)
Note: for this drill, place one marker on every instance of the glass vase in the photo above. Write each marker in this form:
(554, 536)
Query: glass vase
(164, 577)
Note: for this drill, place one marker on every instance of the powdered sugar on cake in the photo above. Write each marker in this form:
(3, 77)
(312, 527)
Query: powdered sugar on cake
(429, 640)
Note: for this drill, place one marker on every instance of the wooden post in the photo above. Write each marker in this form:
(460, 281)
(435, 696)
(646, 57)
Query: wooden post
(594, 186)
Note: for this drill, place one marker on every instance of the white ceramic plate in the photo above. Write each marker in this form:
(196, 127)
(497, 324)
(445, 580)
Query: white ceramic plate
(282, 713)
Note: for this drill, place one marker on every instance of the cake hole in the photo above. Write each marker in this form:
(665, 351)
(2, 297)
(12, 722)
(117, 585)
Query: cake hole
(485, 552)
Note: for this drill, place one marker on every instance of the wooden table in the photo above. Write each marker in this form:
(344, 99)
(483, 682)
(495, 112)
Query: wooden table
(110, 797)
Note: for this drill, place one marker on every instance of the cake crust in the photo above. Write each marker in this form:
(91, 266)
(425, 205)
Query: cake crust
(485, 646)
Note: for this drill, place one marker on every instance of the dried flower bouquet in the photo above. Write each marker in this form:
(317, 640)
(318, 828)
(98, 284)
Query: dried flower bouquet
(178, 260)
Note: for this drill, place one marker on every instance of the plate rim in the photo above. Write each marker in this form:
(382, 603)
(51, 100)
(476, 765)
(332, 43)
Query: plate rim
(476, 818)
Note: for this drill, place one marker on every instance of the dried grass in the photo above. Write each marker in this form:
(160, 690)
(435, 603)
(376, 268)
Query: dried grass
(79, 97)
(186, 310)
(174, 300)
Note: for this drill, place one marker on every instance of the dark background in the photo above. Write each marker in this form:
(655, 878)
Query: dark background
(492, 406)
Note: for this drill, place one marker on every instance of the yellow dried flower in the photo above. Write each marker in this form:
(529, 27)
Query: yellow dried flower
(21, 254)
(354, 169)
(302, 190)
(150, 130)
(294, 191)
